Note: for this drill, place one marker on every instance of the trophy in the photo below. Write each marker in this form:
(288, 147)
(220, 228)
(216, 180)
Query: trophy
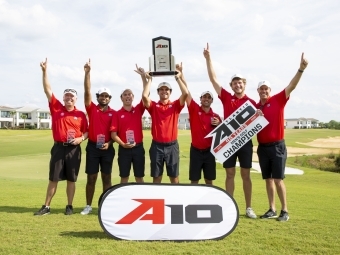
(162, 63)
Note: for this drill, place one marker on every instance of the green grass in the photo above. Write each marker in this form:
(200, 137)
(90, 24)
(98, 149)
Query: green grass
(313, 202)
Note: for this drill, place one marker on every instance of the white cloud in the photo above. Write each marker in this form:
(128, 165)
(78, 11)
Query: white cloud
(290, 31)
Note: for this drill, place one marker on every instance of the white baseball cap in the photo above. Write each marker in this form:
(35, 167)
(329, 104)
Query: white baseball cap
(236, 76)
(264, 82)
(207, 92)
(71, 91)
(164, 84)
(104, 90)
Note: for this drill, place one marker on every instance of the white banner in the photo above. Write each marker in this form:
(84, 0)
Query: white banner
(185, 212)
(235, 131)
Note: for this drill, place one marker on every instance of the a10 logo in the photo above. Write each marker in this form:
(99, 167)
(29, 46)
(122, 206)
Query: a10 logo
(178, 213)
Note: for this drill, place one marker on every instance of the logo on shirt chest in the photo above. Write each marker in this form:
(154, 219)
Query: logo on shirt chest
(122, 117)
(110, 114)
(75, 118)
(62, 114)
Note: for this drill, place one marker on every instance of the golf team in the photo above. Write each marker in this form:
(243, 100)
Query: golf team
(103, 126)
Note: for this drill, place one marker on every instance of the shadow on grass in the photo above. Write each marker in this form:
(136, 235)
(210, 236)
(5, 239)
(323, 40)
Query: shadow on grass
(87, 234)
(19, 209)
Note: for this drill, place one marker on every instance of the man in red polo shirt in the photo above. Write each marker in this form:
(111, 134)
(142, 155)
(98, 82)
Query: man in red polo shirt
(164, 114)
(272, 150)
(202, 121)
(244, 154)
(69, 128)
(126, 130)
(99, 149)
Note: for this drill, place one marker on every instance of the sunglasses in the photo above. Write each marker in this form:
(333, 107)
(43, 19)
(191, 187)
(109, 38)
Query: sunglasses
(70, 91)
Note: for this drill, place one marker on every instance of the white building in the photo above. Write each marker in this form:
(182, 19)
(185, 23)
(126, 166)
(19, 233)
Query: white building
(183, 121)
(301, 123)
(30, 116)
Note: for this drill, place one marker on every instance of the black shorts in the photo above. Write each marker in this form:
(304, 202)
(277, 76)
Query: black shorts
(97, 158)
(244, 155)
(64, 162)
(272, 159)
(201, 159)
(164, 152)
(134, 155)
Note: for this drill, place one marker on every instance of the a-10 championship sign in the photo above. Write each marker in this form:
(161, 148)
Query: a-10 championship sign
(235, 131)
(182, 212)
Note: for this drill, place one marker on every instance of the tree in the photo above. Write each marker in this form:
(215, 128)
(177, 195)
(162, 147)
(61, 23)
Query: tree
(24, 117)
(13, 116)
(143, 123)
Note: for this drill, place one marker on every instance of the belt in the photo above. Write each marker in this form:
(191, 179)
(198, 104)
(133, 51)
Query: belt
(200, 150)
(136, 145)
(271, 144)
(91, 142)
(165, 144)
(64, 143)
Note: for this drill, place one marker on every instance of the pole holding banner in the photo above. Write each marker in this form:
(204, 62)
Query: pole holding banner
(162, 62)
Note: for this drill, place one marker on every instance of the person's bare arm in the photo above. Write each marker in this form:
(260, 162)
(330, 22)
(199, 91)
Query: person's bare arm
(46, 83)
(116, 138)
(179, 67)
(183, 88)
(211, 72)
(294, 82)
(87, 84)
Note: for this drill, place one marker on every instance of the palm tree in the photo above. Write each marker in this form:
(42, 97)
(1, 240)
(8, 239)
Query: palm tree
(13, 116)
(24, 117)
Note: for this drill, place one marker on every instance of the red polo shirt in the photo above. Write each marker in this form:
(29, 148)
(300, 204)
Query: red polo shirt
(200, 125)
(273, 111)
(231, 102)
(129, 120)
(165, 120)
(99, 122)
(64, 120)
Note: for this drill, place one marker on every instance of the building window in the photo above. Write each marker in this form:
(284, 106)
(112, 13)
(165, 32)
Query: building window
(43, 115)
(6, 114)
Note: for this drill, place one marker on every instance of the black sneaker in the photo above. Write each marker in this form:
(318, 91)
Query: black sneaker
(69, 210)
(270, 214)
(43, 211)
(283, 216)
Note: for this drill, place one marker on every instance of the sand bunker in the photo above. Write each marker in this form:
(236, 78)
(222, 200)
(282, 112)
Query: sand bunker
(331, 142)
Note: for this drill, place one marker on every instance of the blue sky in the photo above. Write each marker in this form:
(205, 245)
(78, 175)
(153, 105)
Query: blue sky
(259, 39)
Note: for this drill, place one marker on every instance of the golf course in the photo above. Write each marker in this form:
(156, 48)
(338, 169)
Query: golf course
(313, 203)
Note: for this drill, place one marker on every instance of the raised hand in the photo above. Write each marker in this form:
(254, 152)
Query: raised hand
(43, 65)
(179, 67)
(87, 66)
(303, 63)
(139, 70)
(206, 52)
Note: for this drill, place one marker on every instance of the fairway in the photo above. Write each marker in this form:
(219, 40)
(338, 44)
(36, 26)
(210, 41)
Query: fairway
(313, 203)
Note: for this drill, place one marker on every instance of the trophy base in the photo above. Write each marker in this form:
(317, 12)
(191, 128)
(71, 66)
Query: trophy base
(165, 73)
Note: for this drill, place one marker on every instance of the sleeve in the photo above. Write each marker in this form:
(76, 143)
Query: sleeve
(151, 108)
(225, 95)
(178, 106)
(192, 107)
(141, 107)
(281, 97)
(84, 124)
(89, 109)
(54, 105)
(114, 123)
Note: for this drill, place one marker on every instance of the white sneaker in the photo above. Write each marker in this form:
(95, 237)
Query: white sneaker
(86, 210)
(250, 213)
